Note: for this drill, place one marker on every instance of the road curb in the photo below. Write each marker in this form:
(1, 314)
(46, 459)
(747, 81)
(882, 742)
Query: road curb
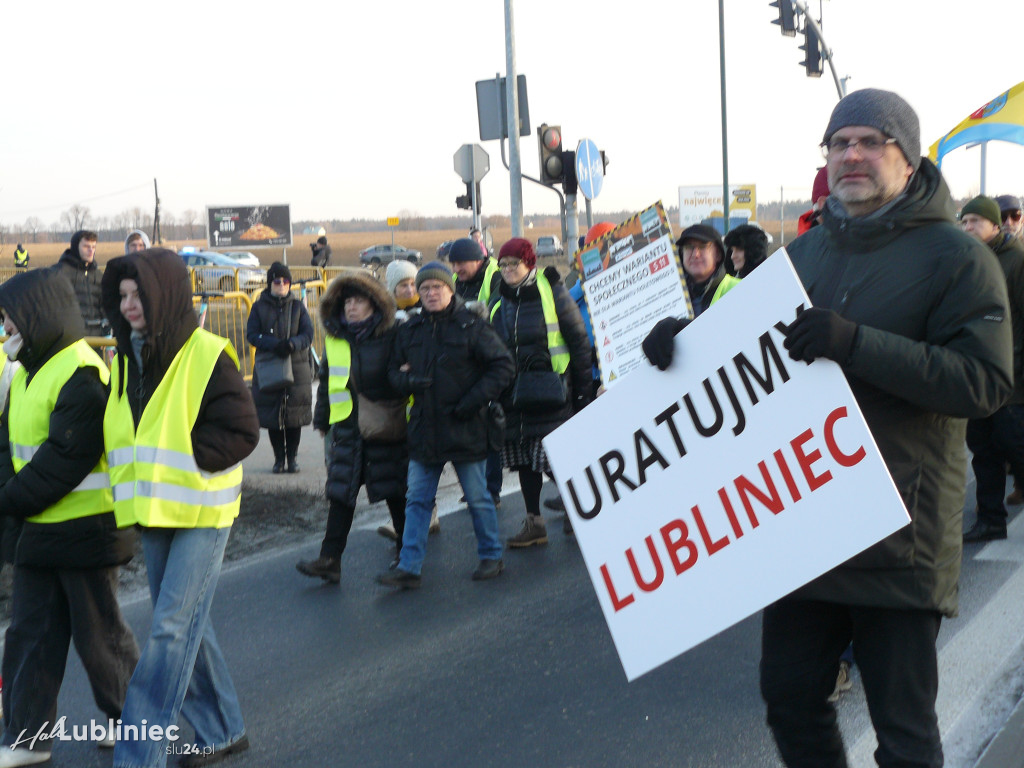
(1006, 750)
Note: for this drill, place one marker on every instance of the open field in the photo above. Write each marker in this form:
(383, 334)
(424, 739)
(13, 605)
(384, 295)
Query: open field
(345, 245)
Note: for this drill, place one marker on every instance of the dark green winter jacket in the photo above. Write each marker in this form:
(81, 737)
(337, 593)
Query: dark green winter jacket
(933, 348)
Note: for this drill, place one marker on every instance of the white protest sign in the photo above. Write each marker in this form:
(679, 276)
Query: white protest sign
(701, 494)
(631, 279)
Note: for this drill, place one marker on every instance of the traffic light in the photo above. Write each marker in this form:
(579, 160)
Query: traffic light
(466, 200)
(549, 138)
(604, 161)
(570, 185)
(812, 52)
(787, 17)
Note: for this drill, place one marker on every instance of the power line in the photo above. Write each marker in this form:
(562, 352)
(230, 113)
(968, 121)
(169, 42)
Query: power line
(61, 206)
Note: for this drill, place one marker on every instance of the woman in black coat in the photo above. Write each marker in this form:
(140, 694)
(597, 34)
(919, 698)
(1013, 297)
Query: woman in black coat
(279, 325)
(358, 313)
(517, 313)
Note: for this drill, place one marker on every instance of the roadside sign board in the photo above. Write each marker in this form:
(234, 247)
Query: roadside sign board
(631, 279)
(701, 494)
(392, 221)
(471, 163)
(703, 205)
(251, 226)
(492, 108)
(589, 169)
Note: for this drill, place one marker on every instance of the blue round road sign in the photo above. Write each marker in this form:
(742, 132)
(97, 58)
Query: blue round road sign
(589, 169)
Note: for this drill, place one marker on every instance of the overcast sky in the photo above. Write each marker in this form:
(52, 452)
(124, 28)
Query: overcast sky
(355, 109)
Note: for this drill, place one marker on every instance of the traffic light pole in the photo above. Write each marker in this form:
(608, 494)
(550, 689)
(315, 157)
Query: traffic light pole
(825, 50)
(512, 100)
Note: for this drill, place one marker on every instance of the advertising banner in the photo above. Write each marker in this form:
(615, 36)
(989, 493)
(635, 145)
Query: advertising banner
(703, 205)
(248, 226)
(701, 494)
(631, 279)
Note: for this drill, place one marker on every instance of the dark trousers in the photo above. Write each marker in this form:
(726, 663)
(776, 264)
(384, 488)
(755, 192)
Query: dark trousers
(996, 441)
(801, 642)
(51, 608)
(285, 442)
(339, 524)
(493, 474)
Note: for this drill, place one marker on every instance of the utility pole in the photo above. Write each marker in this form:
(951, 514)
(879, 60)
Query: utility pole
(156, 216)
(725, 131)
(512, 102)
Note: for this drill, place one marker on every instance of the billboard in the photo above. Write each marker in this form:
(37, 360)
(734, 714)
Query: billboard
(703, 205)
(251, 226)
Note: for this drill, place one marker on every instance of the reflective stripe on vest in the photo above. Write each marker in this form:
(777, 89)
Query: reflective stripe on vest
(156, 481)
(339, 362)
(20, 258)
(32, 405)
(485, 288)
(728, 283)
(557, 347)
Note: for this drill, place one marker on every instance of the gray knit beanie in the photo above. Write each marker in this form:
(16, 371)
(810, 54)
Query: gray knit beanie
(398, 271)
(435, 270)
(885, 111)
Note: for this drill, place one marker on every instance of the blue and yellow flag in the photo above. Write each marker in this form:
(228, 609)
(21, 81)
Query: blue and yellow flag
(1002, 119)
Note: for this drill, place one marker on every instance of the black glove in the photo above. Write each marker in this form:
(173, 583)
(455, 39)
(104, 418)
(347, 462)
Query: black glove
(465, 412)
(283, 348)
(660, 342)
(419, 384)
(818, 333)
(579, 403)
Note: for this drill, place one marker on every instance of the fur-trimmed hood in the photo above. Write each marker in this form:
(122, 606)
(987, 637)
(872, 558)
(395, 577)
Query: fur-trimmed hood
(332, 305)
(754, 243)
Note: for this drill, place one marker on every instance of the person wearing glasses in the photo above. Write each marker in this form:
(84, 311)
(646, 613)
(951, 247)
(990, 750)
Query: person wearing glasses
(1012, 216)
(538, 320)
(998, 440)
(916, 314)
(703, 255)
(280, 325)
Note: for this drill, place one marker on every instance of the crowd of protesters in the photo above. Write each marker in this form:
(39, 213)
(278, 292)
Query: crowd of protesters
(473, 364)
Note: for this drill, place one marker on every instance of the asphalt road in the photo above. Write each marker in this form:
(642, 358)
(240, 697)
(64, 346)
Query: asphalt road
(521, 671)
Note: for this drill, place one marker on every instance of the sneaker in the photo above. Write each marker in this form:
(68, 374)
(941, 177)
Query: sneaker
(399, 578)
(556, 504)
(326, 568)
(497, 502)
(843, 681)
(293, 467)
(387, 531)
(107, 743)
(202, 757)
(982, 531)
(488, 569)
(533, 532)
(278, 467)
(22, 756)
(435, 524)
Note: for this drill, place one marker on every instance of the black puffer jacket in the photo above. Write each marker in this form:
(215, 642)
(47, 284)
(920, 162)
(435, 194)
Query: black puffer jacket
(351, 460)
(85, 279)
(467, 366)
(41, 305)
(1010, 252)
(291, 407)
(226, 429)
(519, 322)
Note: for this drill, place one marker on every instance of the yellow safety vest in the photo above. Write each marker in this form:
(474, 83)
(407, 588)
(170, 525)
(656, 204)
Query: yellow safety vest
(153, 470)
(485, 286)
(728, 283)
(339, 364)
(32, 405)
(21, 258)
(557, 347)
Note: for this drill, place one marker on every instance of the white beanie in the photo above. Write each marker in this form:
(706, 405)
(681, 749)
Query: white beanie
(397, 272)
(145, 240)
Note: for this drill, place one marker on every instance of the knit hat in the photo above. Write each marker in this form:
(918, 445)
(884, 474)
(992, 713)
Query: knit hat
(519, 248)
(277, 269)
(397, 272)
(704, 233)
(466, 249)
(820, 187)
(435, 270)
(985, 207)
(1008, 203)
(598, 230)
(132, 235)
(885, 111)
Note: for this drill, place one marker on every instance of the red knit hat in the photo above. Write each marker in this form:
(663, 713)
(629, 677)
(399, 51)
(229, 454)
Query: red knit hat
(519, 248)
(820, 187)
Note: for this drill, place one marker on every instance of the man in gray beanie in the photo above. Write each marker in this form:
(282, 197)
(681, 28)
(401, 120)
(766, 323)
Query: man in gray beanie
(915, 312)
(476, 273)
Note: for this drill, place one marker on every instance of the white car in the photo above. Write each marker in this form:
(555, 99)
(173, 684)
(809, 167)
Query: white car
(549, 246)
(243, 257)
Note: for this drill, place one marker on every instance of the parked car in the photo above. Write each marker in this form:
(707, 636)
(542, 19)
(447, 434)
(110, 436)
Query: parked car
(218, 272)
(243, 257)
(376, 255)
(549, 246)
(444, 249)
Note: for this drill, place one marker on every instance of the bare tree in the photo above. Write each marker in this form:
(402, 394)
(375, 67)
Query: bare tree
(75, 217)
(190, 219)
(33, 225)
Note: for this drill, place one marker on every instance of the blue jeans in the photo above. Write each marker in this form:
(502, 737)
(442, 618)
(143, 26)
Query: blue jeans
(182, 669)
(419, 502)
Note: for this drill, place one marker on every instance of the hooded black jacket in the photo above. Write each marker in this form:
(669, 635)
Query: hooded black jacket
(41, 305)
(85, 279)
(226, 429)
